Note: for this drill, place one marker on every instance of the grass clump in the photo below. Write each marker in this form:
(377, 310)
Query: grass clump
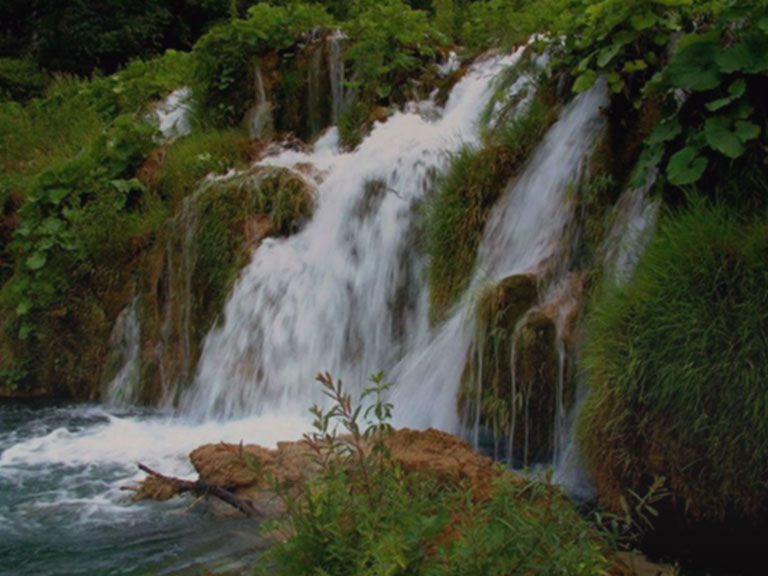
(187, 160)
(231, 216)
(456, 215)
(677, 363)
(364, 514)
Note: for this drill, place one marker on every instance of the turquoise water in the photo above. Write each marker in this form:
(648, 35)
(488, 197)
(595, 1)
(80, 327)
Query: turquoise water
(63, 513)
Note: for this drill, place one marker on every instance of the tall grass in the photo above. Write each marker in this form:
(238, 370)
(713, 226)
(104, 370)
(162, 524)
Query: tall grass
(677, 363)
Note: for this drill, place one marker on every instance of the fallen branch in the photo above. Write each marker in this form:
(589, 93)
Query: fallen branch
(161, 487)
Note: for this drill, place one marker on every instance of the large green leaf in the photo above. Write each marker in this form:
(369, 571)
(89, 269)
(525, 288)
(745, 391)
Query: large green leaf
(644, 21)
(665, 131)
(747, 131)
(736, 90)
(694, 67)
(686, 166)
(37, 260)
(750, 55)
(585, 81)
(729, 137)
(720, 137)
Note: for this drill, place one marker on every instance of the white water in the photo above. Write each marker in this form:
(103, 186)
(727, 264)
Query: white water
(327, 298)
(125, 342)
(633, 221)
(173, 114)
(522, 236)
(259, 117)
(346, 295)
(336, 73)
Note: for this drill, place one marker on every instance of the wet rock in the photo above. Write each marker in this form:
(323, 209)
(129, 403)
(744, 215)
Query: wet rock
(252, 472)
(537, 373)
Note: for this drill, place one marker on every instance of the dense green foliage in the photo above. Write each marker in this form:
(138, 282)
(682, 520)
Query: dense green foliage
(362, 514)
(226, 58)
(677, 363)
(81, 37)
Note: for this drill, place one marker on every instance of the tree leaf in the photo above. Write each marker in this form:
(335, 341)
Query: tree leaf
(694, 67)
(750, 55)
(585, 81)
(735, 91)
(37, 260)
(607, 54)
(643, 21)
(747, 131)
(686, 166)
(24, 306)
(56, 195)
(721, 136)
(665, 131)
(635, 66)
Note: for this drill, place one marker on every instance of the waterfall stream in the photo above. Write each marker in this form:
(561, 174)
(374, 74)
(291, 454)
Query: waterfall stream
(346, 294)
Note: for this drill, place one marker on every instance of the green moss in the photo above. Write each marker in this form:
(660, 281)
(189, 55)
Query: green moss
(232, 214)
(677, 364)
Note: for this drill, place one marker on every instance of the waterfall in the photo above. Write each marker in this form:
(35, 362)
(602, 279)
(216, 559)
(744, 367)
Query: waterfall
(126, 347)
(522, 236)
(259, 117)
(172, 114)
(314, 115)
(633, 221)
(336, 72)
(344, 294)
(331, 297)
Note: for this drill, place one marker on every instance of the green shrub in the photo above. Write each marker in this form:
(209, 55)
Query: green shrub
(223, 79)
(677, 364)
(228, 213)
(81, 224)
(74, 112)
(362, 514)
(21, 79)
(187, 160)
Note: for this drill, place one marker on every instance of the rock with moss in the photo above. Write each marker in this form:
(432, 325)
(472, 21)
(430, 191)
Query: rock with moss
(187, 278)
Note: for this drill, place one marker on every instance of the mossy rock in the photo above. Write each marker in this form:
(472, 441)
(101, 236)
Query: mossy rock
(536, 367)
(677, 366)
(502, 305)
(187, 277)
(498, 311)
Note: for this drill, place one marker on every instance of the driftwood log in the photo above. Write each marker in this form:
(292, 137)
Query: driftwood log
(158, 486)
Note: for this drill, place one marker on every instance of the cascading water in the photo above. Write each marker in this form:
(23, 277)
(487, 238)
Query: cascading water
(345, 295)
(634, 218)
(336, 73)
(259, 117)
(125, 343)
(173, 114)
(336, 294)
(522, 235)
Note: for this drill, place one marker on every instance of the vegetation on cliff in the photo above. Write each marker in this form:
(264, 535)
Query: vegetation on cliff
(96, 206)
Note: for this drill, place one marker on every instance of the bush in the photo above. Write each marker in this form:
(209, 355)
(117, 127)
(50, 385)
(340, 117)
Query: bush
(362, 514)
(187, 160)
(80, 225)
(223, 83)
(21, 79)
(677, 364)
(229, 218)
